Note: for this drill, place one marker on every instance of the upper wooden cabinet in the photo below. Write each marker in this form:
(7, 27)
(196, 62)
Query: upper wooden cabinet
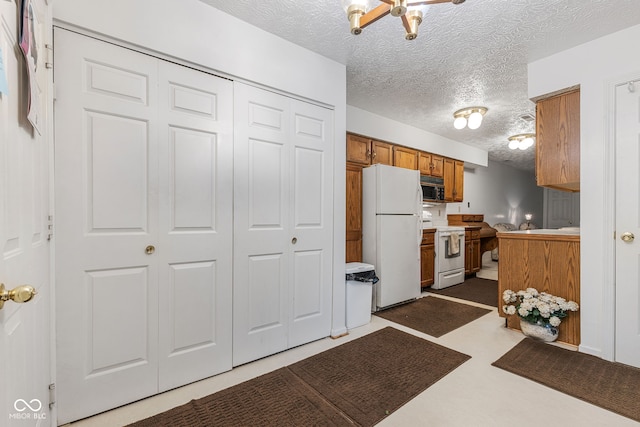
(367, 151)
(453, 180)
(381, 152)
(404, 157)
(558, 142)
(430, 164)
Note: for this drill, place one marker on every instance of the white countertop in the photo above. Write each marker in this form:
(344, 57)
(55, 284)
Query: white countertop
(573, 231)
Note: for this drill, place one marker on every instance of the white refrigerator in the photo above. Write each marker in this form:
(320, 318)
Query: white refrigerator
(392, 232)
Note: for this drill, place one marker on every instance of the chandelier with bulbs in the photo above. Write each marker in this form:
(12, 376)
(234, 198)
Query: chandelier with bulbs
(411, 12)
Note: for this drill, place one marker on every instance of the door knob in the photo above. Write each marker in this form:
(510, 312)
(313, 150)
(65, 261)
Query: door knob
(627, 237)
(22, 293)
(149, 249)
(294, 240)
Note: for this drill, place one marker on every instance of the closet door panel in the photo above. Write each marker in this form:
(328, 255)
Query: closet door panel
(312, 222)
(195, 224)
(261, 295)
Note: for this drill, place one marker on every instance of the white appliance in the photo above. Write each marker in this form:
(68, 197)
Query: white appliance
(449, 263)
(392, 232)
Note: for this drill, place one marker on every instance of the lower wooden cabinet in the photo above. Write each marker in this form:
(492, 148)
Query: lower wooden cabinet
(427, 258)
(353, 247)
(472, 255)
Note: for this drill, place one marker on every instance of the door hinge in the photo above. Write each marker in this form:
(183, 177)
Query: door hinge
(52, 395)
(49, 227)
(49, 56)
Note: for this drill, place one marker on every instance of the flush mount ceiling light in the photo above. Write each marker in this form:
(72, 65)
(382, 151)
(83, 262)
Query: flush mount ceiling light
(521, 141)
(470, 117)
(360, 15)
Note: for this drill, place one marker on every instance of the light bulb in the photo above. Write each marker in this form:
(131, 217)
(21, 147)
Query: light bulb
(459, 122)
(527, 142)
(513, 144)
(475, 120)
(522, 145)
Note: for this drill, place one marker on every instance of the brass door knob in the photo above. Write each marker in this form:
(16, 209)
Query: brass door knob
(149, 249)
(19, 294)
(627, 237)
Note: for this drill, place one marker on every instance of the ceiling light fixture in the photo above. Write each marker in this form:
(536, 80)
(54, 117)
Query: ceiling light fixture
(470, 117)
(360, 15)
(521, 141)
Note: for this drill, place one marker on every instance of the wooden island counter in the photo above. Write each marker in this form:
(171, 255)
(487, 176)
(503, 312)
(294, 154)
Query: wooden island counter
(548, 260)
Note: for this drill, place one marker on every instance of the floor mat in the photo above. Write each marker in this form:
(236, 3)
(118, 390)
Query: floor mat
(432, 315)
(609, 385)
(373, 376)
(357, 383)
(474, 289)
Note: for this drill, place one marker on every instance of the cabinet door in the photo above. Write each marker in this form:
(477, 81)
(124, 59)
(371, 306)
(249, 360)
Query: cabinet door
(358, 149)
(424, 163)
(458, 188)
(437, 166)
(405, 158)
(354, 213)
(468, 253)
(427, 257)
(449, 179)
(476, 260)
(381, 152)
(558, 142)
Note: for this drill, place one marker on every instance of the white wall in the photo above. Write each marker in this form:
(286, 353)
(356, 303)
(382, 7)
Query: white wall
(193, 33)
(595, 66)
(375, 126)
(502, 193)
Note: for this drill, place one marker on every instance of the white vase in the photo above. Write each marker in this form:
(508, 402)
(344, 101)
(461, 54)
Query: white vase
(540, 331)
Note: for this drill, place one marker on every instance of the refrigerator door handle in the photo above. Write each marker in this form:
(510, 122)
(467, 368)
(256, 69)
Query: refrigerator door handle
(419, 223)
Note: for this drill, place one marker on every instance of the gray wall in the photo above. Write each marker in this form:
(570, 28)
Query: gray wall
(501, 193)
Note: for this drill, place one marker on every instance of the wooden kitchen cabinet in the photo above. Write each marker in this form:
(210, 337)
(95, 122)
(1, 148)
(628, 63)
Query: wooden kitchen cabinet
(427, 258)
(366, 151)
(472, 255)
(404, 157)
(354, 213)
(430, 164)
(453, 180)
(545, 261)
(558, 142)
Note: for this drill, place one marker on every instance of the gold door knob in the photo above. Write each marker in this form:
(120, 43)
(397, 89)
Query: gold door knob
(149, 249)
(19, 294)
(627, 237)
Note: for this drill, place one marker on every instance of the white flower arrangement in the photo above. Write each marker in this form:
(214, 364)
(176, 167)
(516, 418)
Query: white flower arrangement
(537, 307)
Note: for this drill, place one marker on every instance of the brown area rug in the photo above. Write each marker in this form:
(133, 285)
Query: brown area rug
(278, 398)
(357, 383)
(373, 376)
(609, 385)
(483, 291)
(432, 315)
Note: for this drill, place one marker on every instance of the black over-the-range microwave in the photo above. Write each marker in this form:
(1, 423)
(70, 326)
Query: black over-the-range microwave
(432, 188)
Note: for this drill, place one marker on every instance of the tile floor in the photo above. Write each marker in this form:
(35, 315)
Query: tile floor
(475, 394)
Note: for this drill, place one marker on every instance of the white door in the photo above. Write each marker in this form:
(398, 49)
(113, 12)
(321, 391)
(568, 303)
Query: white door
(562, 209)
(25, 340)
(627, 347)
(282, 223)
(143, 223)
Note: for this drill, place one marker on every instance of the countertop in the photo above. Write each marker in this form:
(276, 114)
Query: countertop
(542, 234)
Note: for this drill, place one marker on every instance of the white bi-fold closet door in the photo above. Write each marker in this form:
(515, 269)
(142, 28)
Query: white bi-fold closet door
(193, 221)
(283, 222)
(143, 225)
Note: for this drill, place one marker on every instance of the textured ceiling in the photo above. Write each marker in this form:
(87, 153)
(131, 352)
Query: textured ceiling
(475, 53)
